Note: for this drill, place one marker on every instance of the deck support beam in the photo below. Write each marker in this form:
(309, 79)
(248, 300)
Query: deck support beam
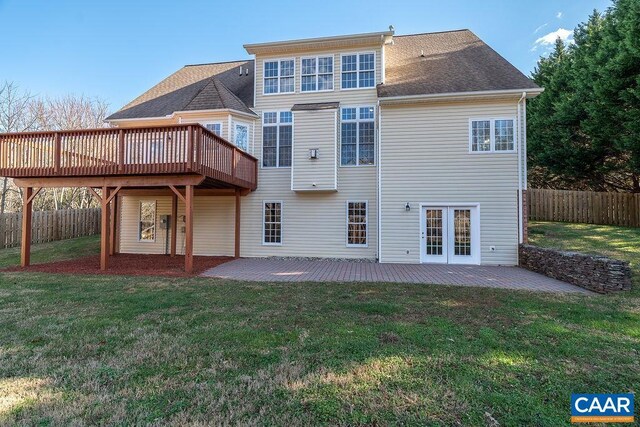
(27, 212)
(104, 229)
(188, 247)
(174, 224)
(237, 228)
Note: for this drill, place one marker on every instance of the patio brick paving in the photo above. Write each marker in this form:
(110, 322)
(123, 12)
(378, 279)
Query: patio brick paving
(278, 270)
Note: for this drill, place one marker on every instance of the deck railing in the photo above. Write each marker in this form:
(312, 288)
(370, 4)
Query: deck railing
(171, 149)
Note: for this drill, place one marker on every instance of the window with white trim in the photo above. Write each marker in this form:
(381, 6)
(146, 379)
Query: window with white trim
(490, 135)
(272, 223)
(357, 223)
(279, 76)
(357, 136)
(358, 70)
(214, 127)
(317, 73)
(147, 222)
(277, 139)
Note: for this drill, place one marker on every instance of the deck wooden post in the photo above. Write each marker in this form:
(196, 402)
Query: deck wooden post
(188, 247)
(237, 228)
(113, 216)
(104, 229)
(27, 211)
(174, 224)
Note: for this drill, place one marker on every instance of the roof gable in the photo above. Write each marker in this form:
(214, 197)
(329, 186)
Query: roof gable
(195, 87)
(446, 62)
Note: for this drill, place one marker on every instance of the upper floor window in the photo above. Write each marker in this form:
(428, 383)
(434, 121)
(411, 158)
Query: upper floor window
(489, 135)
(358, 70)
(317, 74)
(277, 139)
(215, 128)
(279, 76)
(357, 136)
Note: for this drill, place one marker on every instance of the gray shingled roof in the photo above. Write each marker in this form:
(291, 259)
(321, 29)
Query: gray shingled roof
(195, 87)
(418, 64)
(452, 61)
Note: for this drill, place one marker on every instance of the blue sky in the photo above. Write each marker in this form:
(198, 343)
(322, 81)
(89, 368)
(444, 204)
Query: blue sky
(117, 49)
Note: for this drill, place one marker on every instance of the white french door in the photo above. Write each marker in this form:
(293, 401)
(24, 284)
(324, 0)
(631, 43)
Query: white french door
(450, 235)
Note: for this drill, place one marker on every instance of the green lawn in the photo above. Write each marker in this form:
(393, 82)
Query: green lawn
(616, 242)
(125, 350)
(54, 251)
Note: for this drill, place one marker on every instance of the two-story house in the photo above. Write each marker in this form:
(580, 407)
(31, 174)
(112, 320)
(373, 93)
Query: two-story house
(407, 149)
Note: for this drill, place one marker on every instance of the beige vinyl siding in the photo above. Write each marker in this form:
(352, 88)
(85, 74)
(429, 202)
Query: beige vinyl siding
(426, 159)
(313, 224)
(222, 118)
(314, 130)
(213, 225)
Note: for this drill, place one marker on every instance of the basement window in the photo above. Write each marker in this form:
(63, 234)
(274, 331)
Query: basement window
(357, 223)
(272, 223)
(147, 223)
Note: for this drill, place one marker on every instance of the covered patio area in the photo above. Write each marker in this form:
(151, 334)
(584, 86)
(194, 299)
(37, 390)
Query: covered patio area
(129, 265)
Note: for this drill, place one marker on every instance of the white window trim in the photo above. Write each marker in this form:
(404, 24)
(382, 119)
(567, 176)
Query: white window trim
(155, 221)
(317, 74)
(278, 60)
(375, 77)
(205, 123)
(277, 124)
(366, 223)
(264, 202)
(358, 120)
(492, 135)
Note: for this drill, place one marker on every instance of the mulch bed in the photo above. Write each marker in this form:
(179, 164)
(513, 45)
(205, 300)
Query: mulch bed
(129, 265)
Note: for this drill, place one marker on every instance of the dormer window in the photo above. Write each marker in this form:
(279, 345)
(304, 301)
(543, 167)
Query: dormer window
(279, 76)
(358, 70)
(317, 74)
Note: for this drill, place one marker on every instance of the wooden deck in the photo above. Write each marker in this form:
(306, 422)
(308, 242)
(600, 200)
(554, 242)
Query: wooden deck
(176, 158)
(165, 150)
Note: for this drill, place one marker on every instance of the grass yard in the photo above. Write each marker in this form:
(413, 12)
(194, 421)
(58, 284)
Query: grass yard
(144, 350)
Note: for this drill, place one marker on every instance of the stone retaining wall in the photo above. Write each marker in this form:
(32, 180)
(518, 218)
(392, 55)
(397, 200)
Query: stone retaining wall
(596, 273)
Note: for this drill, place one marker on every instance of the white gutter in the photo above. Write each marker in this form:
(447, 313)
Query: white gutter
(379, 182)
(474, 94)
(520, 128)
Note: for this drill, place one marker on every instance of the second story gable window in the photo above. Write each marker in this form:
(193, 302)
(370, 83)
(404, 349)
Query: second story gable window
(277, 139)
(279, 76)
(317, 74)
(357, 136)
(358, 70)
(491, 135)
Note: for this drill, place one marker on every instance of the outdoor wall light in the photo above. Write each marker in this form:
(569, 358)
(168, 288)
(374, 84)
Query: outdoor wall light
(313, 153)
(407, 207)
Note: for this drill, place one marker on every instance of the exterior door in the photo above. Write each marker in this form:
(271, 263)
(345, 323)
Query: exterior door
(450, 235)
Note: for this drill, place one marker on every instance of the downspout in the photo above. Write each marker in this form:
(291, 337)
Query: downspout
(521, 130)
(379, 182)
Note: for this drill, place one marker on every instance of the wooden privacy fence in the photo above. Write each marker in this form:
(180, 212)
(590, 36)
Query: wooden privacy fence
(48, 226)
(584, 206)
